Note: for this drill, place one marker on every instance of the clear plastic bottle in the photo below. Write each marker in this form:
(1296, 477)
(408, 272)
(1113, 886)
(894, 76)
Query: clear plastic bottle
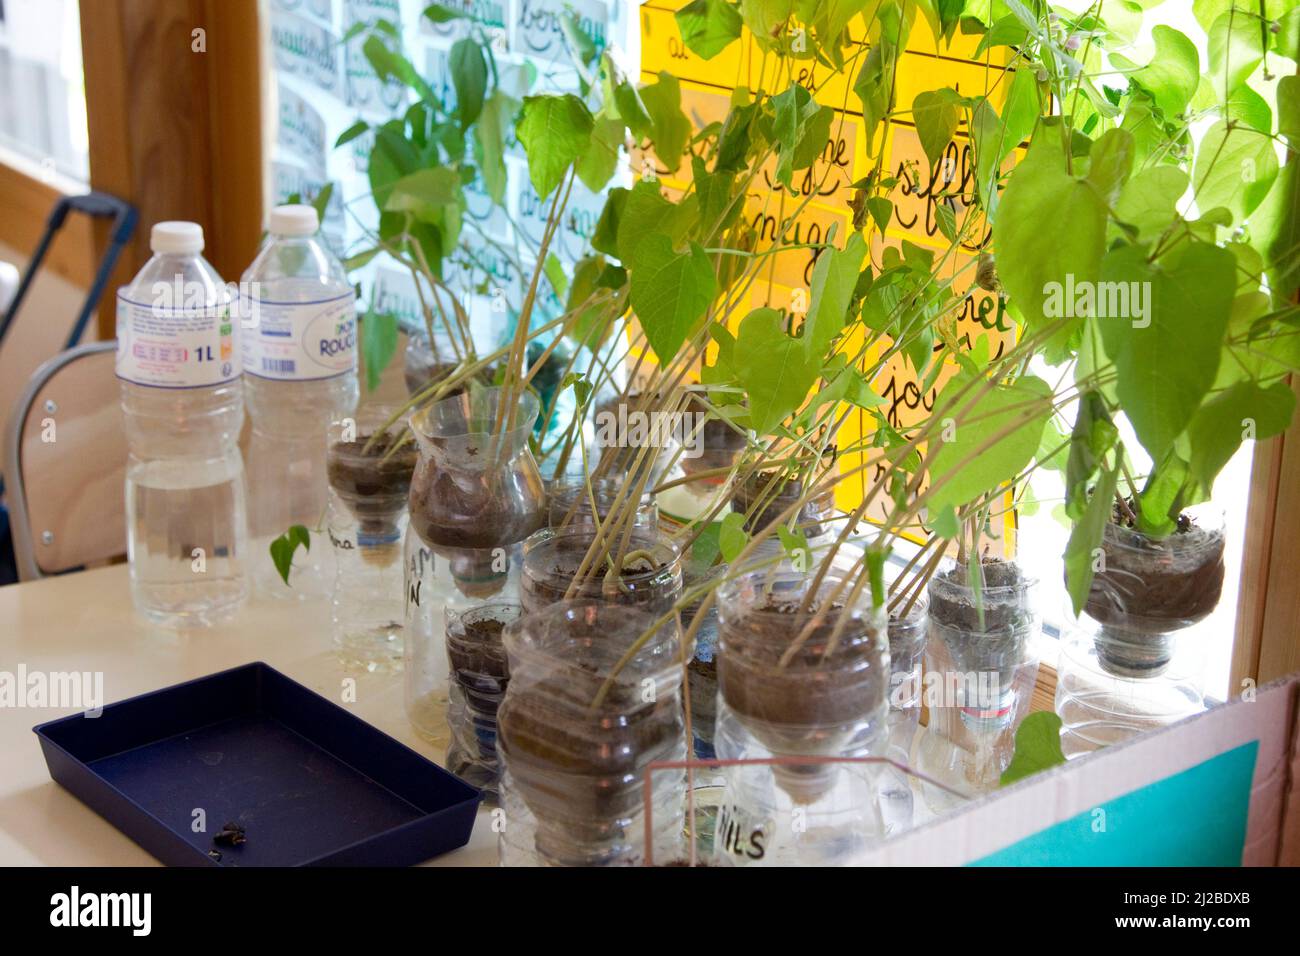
(469, 513)
(300, 374)
(906, 651)
(1102, 699)
(765, 496)
(803, 697)
(980, 668)
(707, 784)
(178, 362)
(424, 363)
(438, 582)
(367, 519)
(425, 670)
(1134, 661)
(592, 710)
(480, 675)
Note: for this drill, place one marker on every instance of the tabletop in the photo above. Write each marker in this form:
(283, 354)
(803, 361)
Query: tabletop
(85, 622)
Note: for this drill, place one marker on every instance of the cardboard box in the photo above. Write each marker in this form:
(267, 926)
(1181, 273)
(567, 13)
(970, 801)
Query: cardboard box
(1218, 789)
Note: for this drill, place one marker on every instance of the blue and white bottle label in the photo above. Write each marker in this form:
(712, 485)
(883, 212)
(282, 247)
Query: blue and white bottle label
(300, 341)
(176, 348)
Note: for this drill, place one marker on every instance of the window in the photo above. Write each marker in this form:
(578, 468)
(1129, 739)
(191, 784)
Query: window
(322, 83)
(1042, 528)
(42, 92)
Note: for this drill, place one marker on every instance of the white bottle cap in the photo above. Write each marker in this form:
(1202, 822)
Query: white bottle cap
(296, 220)
(176, 237)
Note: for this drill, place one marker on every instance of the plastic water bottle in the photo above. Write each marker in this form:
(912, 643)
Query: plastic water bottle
(178, 361)
(300, 375)
(1112, 686)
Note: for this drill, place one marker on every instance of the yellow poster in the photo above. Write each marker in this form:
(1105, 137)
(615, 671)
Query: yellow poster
(926, 64)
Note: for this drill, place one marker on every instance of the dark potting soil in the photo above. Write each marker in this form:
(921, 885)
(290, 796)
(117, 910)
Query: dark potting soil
(621, 735)
(997, 639)
(473, 514)
(374, 487)
(1157, 585)
(907, 629)
(958, 610)
(354, 472)
(485, 631)
(719, 435)
(704, 697)
(815, 688)
(718, 445)
(232, 834)
(1126, 517)
(716, 433)
(580, 767)
(705, 670)
(651, 585)
(479, 664)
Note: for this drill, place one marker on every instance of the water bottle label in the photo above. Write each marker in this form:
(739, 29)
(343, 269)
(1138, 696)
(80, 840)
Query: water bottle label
(991, 713)
(299, 341)
(176, 348)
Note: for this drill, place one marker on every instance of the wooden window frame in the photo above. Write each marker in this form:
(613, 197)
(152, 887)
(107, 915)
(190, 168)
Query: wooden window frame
(1267, 644)
(175, 132)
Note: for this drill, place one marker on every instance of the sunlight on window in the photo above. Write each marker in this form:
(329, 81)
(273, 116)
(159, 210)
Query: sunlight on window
(42, 90)
(1043, 528)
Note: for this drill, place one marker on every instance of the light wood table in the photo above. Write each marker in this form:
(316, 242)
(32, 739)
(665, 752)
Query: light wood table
(85, 622)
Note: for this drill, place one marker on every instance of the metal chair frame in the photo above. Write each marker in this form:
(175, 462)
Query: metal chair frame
(16, 493)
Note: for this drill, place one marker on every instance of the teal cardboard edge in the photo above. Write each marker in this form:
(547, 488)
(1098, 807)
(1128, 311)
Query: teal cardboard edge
(1194, 818)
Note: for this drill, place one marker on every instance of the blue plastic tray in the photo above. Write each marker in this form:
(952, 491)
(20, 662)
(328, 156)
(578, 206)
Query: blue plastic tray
(310, 783)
